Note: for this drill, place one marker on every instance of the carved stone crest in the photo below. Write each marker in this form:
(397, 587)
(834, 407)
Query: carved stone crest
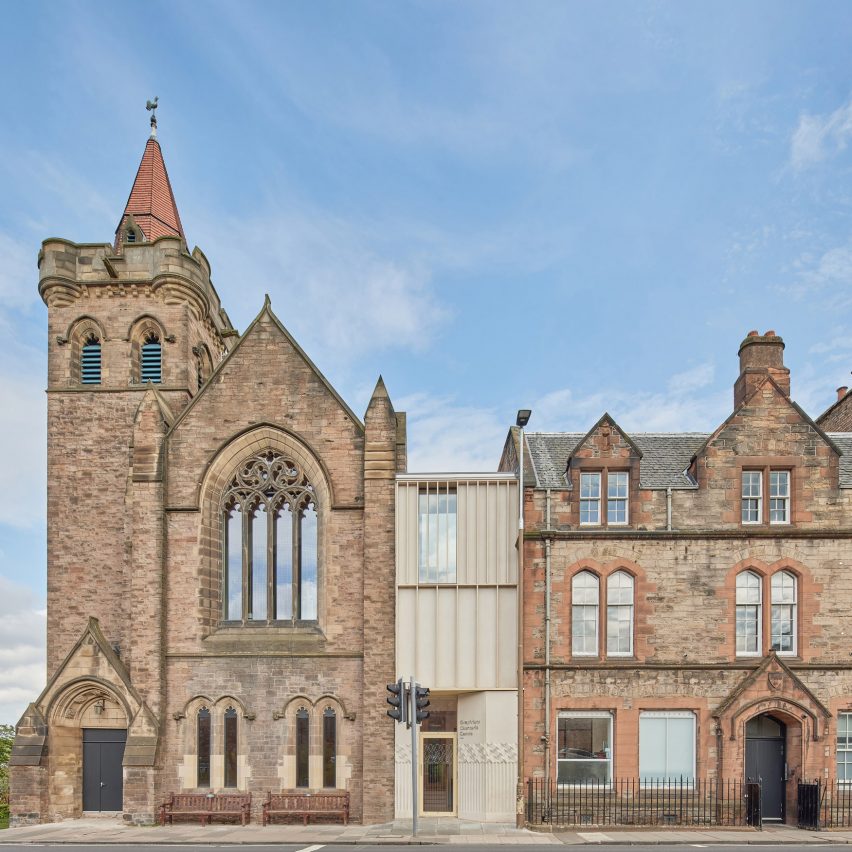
(776, 680)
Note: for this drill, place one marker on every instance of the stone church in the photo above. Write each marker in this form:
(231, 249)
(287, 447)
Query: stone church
(221, 562)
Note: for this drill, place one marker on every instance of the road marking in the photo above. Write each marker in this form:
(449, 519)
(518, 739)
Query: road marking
(594, 836)
(699, 845)
(312, 848)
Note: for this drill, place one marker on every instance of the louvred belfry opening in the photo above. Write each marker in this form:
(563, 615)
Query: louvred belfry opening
(151, 206)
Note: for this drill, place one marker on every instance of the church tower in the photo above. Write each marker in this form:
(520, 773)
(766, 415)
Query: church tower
(135, 328)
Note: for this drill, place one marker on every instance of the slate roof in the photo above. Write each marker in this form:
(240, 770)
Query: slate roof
(665, 456)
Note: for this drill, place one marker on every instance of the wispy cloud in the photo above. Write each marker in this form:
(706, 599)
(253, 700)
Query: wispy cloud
(819, 136)
(828, 275)
(329, 286)
(444, 434)
(22, 649)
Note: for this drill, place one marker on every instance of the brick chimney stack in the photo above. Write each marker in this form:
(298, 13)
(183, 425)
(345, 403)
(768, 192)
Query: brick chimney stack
(841, 392)
(761, 355)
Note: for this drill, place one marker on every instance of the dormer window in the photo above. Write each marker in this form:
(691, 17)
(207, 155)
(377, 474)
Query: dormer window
(593, 485)
(131, 235)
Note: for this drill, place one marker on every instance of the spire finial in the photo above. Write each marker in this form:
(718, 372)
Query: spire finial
(152, 106)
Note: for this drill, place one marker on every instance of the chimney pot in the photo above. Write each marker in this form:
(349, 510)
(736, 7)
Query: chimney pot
(753, 333)
(841, 392)
(760, 356)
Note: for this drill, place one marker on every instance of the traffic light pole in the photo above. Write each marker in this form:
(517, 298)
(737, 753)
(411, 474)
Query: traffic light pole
(412, 692)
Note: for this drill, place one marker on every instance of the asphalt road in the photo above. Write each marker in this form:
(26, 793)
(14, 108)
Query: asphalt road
(384, 847)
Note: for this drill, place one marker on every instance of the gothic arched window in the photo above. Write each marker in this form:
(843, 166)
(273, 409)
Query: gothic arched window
(230, 750)
(203, 748)
(329, 748)
(270, 542)
(303, 745)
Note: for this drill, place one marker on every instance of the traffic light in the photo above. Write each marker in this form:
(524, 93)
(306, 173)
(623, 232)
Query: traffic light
(421, 702)
(397, 701)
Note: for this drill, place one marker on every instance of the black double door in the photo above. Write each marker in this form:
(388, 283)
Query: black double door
(103, 753)
(766, 762)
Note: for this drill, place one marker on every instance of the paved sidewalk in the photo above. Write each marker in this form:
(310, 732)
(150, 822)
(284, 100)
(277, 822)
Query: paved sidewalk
(101, 830)
(432, 831)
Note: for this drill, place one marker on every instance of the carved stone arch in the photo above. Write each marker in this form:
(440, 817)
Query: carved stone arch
(84, 325)
(69, 705)
(788, 709)
(194, 704)
(216, 479)
(226, 701)
(139, 330)
(293, 705)
(327, 699)
(79, 332)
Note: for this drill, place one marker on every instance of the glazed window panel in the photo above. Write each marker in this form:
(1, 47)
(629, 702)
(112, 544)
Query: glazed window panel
(259, 546)
(585, 593)
(584, 748)
(783, 614)
(590, 498)
(616, 503)
(752, 482)
(270, 508)
(230, 730)
(779, 497)
(748, 615)
(619, 614)
(844, 747)
(666, 746)
(329, 748)
(302, 748)
(437, 536)
(203, 748)
(234, 563)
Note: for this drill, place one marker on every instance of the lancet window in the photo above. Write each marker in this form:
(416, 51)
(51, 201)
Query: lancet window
(270, 542)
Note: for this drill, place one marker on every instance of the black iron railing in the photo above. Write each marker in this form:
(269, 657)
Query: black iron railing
(629, 801)
(824, 804)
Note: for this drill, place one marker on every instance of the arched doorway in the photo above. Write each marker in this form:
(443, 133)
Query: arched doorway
(766, 761)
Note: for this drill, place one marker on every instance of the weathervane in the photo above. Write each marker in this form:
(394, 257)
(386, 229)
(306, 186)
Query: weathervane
(152, 106)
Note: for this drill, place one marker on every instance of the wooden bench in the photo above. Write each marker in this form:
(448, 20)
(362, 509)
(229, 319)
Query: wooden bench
(305, 805)
(205, 806)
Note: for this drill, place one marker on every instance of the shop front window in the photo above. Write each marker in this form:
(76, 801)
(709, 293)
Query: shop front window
(584, 752)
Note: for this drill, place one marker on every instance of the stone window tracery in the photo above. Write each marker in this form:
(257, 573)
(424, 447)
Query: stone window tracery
(269, 550)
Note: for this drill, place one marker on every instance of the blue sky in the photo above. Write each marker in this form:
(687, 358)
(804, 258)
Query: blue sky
(572, 207)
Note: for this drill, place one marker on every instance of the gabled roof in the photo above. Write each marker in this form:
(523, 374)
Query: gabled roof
(663, 463)
(151, 202)
(606, 418)
(266, 310)
(794, 405)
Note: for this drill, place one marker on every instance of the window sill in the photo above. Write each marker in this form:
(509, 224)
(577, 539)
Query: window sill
(263, 637)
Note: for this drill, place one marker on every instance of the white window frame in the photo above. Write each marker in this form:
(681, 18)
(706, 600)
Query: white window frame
(610, 759)
(597, 608)
(620, 606)
(779, 500)
(596, 501)
(758, 605)
(615, 476)
(752, 474)
(794, 614)
(846, 751)
(670, 714)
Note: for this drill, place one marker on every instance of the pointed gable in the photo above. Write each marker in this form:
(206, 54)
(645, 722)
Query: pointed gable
(767, 424)
(771, 688)
(151, 206)
(605, 440)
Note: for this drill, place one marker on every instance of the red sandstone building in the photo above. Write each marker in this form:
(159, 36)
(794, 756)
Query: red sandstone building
(686, 596)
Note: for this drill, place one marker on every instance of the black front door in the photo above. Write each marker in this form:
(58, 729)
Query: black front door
(103, 752)
(765, 761)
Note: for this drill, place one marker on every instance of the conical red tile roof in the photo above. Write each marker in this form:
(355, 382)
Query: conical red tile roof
(151, 202)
